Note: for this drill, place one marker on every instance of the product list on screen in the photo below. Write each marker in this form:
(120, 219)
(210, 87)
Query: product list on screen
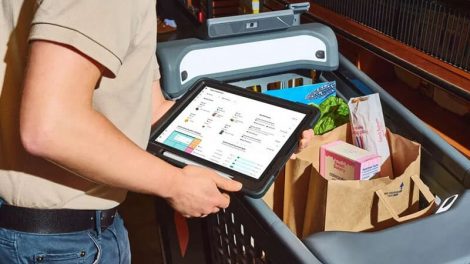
(236, 132)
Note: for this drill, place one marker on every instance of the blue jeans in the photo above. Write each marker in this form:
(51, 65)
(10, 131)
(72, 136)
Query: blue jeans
(91, 246)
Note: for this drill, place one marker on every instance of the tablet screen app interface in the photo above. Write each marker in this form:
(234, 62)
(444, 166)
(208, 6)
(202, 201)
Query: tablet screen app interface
(233, 131)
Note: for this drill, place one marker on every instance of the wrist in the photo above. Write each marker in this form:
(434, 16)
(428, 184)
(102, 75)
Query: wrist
(171, 182)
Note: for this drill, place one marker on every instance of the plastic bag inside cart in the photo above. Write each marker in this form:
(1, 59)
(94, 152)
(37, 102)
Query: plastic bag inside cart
(249, 231)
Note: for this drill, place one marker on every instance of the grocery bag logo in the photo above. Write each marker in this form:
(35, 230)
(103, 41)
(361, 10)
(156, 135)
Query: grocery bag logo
(397, 192)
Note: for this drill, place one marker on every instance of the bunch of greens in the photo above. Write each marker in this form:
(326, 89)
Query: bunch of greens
(334, 113)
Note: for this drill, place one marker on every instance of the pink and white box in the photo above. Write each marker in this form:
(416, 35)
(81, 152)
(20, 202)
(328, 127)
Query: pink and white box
(342, 161)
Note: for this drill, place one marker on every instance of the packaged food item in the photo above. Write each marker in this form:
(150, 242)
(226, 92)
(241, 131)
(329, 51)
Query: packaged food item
(307, 94)
(368, 129)
(342, 161)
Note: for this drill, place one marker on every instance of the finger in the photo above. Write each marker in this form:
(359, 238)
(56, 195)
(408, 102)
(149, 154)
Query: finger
(215, 210)
(227, 184)
(226, 196)
(298, 149)
(303, 144)
(307, 136)
(224, 201)
(204, 215)
(293, 156)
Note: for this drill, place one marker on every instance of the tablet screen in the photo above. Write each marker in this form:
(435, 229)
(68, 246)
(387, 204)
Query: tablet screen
(236, 132)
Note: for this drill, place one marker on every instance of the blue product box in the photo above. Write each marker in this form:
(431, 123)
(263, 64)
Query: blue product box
(306, 94)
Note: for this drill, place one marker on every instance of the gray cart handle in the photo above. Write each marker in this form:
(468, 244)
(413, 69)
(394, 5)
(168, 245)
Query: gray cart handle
(183, 62)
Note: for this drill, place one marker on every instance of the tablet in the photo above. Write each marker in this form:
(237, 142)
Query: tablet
(243, 135)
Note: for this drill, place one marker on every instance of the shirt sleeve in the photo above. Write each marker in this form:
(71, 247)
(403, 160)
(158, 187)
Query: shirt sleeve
(100, 29)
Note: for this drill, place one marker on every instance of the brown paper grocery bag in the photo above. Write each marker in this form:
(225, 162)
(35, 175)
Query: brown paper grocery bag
(340, 205)
(288, 195)
(321, 205)
(275, 195)
(391, 200)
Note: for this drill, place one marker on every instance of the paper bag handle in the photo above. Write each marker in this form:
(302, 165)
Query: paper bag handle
(422, 188)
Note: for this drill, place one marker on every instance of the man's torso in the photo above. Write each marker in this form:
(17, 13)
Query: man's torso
(120, 35)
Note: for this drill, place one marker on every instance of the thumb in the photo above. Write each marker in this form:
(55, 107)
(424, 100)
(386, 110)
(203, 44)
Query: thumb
(227, 184)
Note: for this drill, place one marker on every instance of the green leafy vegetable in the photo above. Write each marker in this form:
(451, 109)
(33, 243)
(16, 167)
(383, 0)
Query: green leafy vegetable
(334, 113)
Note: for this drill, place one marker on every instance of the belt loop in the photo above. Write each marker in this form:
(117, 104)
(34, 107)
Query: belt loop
(98, 222)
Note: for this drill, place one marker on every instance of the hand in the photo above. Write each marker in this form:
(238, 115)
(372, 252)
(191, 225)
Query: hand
(304, 142)
(196, 192)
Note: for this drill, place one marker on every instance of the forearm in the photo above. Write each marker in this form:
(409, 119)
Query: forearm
(101, 153)
(59, 123)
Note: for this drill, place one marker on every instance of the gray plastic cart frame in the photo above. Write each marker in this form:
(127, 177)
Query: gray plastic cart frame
(249, 232)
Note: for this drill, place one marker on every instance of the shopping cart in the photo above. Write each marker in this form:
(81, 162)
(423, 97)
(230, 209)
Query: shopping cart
(249, 231)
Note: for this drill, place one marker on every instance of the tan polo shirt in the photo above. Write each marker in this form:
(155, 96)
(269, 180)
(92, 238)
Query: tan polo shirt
(120, 35)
